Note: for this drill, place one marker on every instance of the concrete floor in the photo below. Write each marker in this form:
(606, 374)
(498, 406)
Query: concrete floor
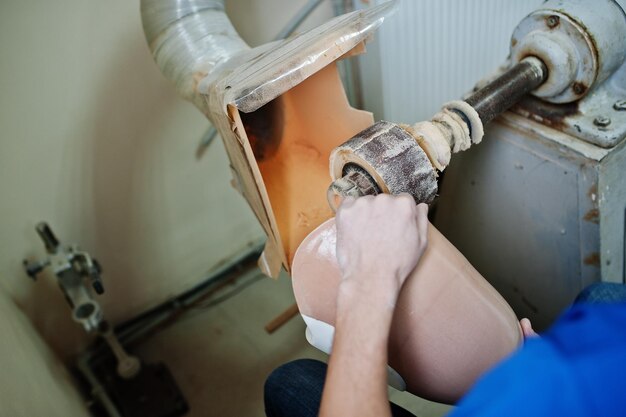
(221, 356)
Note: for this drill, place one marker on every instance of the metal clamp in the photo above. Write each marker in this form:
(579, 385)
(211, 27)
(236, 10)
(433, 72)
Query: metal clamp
(72, 267)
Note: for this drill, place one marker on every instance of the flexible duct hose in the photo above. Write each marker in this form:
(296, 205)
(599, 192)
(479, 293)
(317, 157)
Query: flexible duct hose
(189, 39)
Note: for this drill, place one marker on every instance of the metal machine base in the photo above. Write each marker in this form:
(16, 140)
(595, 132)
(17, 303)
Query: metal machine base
(539, 213)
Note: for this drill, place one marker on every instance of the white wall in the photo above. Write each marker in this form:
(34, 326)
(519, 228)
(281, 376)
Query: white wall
(433, 51)
(94, 140)
(33, 382)
(259, 21)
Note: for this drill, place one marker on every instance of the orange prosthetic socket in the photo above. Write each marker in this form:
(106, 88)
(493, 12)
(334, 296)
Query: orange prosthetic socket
(450, 325)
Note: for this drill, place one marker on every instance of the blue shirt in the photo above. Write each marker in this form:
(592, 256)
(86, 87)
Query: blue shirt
(577, 368)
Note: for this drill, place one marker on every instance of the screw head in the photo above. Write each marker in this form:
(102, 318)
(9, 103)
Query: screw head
(579, 88)
(552, 21)
(620, 105)
(602, 121)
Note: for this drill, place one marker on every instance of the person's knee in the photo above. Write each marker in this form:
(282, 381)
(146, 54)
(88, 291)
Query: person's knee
(295, 384)
(295, 374)
(602, 292)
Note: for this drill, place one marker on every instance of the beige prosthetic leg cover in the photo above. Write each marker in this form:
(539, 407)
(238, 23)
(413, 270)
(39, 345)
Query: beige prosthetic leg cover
(449, 327)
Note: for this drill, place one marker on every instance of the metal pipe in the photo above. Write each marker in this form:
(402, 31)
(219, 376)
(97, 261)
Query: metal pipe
(503, 92)
(97, 389)
(349, 68)
(298, 18)
(138, 327)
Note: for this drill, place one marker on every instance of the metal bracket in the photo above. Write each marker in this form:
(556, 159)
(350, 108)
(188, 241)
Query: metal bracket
(599, 118)
(71, 266)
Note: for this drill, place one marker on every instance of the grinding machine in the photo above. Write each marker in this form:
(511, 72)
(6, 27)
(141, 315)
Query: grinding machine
(539, 208)
(536, 200)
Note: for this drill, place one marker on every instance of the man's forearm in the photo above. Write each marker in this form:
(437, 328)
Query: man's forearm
(356, 383)
(379, 241)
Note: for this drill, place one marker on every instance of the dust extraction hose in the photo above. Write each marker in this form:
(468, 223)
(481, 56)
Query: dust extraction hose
(189, 39)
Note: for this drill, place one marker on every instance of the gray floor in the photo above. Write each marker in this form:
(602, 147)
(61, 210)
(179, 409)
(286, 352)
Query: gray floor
(220, 356)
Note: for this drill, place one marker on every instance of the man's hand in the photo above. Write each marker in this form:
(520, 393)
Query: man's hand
(379, 242)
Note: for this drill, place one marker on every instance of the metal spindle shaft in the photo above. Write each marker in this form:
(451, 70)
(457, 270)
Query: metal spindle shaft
(503, 92)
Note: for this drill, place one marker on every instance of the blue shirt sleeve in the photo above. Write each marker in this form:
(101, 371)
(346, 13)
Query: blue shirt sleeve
(577, 368)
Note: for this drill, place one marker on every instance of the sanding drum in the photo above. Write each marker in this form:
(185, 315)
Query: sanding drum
(384, 158)
(394, 159)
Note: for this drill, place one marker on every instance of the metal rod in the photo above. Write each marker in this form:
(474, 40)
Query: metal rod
(97, 389)
(206, 140)
(298, 18)
(48, 237)
(503, 92)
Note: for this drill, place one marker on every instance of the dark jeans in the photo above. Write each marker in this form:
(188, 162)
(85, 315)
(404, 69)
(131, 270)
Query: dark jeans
(295, 389)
